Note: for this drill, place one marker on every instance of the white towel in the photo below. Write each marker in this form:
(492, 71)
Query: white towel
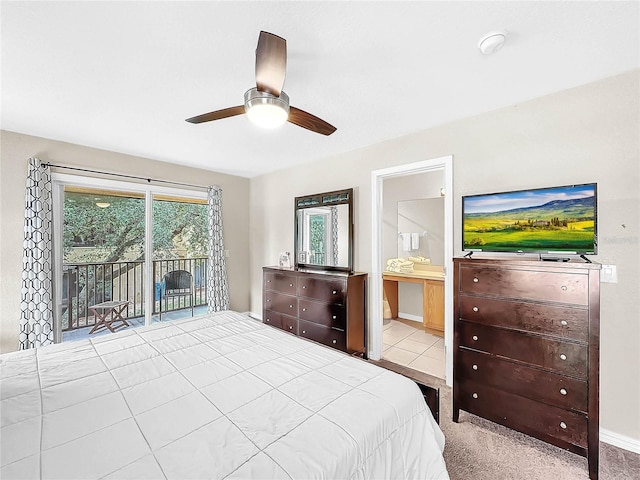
(415, 241)
(406, 241)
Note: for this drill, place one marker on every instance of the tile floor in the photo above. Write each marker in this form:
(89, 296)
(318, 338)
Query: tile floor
(412, 347)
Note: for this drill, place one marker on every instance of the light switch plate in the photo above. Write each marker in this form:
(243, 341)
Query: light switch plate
(609, 274)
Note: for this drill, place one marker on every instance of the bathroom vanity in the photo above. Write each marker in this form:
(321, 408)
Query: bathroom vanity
(432, 295)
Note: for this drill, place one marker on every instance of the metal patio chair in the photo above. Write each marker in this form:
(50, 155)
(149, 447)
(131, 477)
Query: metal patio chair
(177, 283)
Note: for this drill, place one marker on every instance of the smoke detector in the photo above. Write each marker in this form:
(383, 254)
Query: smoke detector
(492, 42)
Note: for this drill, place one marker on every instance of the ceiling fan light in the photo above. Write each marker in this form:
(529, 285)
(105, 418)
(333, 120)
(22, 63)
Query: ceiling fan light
(266, 110)
(267, 116)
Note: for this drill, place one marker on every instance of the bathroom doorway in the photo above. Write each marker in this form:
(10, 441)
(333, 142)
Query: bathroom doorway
(412, 247)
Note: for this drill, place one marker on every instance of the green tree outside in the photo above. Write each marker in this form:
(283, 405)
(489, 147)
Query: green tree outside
(116, 233)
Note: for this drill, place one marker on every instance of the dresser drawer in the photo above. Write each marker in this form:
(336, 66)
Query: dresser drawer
(547, 387)
(527, 284)
(327, 314)
(565, 322)
(329, 290)
(289, 324)
(281, 282)
(279, 320)
(272, 318)
(522, 414)
(328, 336)
(556, 355)
(280, 303)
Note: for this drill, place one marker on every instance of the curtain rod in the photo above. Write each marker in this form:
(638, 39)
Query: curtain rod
(149, 180)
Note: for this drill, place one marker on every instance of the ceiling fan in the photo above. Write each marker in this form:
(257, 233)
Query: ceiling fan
(266, 104)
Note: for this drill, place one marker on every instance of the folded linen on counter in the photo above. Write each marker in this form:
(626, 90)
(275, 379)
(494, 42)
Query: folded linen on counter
(399, 265)
(420, 260)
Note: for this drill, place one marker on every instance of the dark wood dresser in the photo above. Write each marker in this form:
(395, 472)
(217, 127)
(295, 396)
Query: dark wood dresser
(526, 349)
(329, 308)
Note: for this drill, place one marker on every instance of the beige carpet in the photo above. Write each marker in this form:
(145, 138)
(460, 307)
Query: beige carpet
(477, 449)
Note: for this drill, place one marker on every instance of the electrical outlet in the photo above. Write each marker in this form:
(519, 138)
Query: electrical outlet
(609, 274)
(226, 254)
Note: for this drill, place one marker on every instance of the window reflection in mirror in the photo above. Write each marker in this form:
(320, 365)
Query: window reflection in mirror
(324, 231)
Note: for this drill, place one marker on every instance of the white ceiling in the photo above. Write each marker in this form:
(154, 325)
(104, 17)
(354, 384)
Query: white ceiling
(123, 76)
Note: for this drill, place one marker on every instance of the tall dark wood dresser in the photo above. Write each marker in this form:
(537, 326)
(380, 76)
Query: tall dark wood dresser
(526, 349)
(329, 308)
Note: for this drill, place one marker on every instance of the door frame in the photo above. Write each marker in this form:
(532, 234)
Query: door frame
(377, 195)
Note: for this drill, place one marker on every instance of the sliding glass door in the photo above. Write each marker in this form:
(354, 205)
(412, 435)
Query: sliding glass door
(179, 255)
(114, 244)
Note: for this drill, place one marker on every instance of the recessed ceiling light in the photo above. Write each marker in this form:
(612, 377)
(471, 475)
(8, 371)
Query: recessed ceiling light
(492, 42)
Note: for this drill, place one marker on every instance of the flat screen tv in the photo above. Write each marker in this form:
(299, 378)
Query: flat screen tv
(552, 220)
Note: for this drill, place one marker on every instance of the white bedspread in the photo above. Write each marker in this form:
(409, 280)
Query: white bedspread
(217, 396)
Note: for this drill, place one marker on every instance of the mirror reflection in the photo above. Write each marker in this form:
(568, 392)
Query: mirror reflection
(421, 229)
(324, 230)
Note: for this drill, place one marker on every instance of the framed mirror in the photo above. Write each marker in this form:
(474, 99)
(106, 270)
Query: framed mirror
(324, 231)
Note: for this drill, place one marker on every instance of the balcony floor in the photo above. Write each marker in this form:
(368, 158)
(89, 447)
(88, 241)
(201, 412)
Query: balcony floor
(135, 322)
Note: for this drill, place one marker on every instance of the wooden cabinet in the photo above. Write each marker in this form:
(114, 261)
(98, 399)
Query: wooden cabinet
(432, 297)
(526, 349)
(433, 305)
(329, 308)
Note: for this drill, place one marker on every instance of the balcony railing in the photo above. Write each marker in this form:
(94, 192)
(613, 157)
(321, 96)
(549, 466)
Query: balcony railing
(86, 284)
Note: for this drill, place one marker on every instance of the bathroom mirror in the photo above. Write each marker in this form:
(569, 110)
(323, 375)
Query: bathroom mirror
(324, 231)
(421, 229)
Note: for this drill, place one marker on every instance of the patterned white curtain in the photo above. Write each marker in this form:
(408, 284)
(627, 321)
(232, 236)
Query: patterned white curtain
(36, 307)
(218, 288)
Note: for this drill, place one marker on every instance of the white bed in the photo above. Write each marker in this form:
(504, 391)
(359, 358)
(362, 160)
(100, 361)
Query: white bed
(216, 396)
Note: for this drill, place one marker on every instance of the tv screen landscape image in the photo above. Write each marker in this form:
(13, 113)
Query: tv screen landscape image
(541, 220)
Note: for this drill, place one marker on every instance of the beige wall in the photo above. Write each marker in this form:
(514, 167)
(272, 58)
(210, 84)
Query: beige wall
(581, 135)
(17, 148)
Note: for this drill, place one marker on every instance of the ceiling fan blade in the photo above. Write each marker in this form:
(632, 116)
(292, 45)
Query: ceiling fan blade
(271, 63)
(217, 115)
(310, 122)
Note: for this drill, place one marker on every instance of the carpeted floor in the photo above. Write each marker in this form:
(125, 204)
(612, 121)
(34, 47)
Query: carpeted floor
(478, 449)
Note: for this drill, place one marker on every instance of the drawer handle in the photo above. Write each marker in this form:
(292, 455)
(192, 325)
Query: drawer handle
(475, 280)
(268, 300)
(334, 317)
(563, 288)
(563, 356)
(304, 287)
(290, 306)
(475, 309)
(563, 425)
(475, 338)
(304, 331)
(268, 281)
(334, 292)
(268, 319)
(564, 323)
(290, 327)
(291, 284)
(475, 395)
(474, 366)
(334, 341)
(304, 309)
(563, 391)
